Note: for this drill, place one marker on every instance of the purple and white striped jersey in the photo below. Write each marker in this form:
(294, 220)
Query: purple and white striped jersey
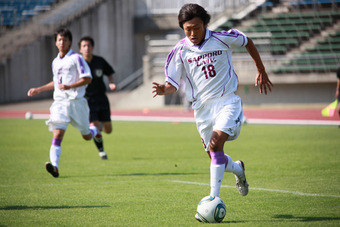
(206, 69)
(68, 70)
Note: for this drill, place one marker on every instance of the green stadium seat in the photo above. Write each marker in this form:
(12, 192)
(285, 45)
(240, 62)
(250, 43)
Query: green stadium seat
(300, 21)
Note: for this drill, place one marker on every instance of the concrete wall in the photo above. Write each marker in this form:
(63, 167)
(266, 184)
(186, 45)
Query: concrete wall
(282, 94)
(28, 67)
(111, 26)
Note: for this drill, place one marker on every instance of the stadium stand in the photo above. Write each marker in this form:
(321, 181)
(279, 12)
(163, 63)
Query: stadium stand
(307, 40)
(322, 56)
(14, 12)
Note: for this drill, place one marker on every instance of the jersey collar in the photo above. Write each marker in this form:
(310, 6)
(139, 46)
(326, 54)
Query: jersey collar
(70, 52)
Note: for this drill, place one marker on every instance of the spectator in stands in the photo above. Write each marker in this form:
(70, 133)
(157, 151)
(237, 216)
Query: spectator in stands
(100, 113)
(337, 92)
(203, 60)
(71, 74)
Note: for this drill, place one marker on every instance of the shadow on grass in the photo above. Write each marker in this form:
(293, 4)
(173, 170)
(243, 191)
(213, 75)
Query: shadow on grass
(304, 219)
(155, 174)
(287, 218)
(47, 207)
(131, 174)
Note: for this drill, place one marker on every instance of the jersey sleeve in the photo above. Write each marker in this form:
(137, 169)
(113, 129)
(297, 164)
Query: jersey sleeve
(174, 68)
(82, 67)
(107, 69)
(234, 38)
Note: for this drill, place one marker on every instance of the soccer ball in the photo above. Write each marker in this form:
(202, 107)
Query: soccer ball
(210, 209)
(28, 115)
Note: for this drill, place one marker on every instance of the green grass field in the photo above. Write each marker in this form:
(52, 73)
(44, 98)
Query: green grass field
(157, 173)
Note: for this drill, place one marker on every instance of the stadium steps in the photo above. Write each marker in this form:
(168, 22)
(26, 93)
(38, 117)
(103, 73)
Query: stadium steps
(289, 30)
(321, 54)
(43, 24)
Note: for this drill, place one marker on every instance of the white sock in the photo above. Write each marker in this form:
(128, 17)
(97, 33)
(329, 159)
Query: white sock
(216, 177)
(55, 152)
(233, 166)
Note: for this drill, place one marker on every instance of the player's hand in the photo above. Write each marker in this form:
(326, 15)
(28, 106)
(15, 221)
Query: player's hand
(263, 82)
(112, 86)
(64, 87)
(32, 92)
(158, 89)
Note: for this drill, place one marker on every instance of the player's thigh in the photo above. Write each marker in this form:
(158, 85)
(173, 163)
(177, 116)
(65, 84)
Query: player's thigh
(79, 112)
(229, 119)
(204, 125)
(104, 115)
(59, 116)
(94, 108)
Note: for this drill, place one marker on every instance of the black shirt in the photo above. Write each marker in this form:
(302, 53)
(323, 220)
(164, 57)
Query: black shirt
(99, 67)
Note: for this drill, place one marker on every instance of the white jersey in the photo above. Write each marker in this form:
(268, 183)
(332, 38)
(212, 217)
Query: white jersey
(207, 69)
(68, 70)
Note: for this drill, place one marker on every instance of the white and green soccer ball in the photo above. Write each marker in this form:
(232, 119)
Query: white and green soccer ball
(211, 209)
(28, 115)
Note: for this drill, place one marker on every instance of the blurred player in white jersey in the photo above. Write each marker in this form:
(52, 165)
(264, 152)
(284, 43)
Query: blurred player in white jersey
(203, 60)
(71, 74)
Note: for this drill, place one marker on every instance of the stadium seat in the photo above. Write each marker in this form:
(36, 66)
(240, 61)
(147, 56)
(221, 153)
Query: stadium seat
(13, 12)
(290, 30)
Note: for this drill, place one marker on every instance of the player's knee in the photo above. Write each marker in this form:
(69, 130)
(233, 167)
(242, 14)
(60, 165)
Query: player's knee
(108, 131)
(216, 144)
(87, 137)
(107, 128)
(58, 134)
(213, 147)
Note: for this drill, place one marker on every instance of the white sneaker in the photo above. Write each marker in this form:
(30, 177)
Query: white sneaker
(103, 155)
(241, 182)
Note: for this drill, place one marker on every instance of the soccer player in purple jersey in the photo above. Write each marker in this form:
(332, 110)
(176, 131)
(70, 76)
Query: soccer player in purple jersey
(71, 74)
(203, 60)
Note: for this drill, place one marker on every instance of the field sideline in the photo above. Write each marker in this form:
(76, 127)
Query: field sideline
(294, 115)
(157, 172)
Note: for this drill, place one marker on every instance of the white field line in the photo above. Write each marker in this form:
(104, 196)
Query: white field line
(191, 119)
(262, 189)
(193, 183)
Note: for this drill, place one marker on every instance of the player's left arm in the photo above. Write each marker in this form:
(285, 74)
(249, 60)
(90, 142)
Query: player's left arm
(109, 71)
(262, 78)
(81, 82)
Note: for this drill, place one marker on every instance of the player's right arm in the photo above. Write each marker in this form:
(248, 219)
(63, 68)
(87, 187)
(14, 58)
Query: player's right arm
(163, 89)
(37, 90)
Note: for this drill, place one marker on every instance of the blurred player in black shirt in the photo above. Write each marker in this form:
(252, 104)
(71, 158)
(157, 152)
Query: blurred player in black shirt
(100, 114)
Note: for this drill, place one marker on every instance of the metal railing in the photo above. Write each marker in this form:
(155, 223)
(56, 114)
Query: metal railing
(161, 7)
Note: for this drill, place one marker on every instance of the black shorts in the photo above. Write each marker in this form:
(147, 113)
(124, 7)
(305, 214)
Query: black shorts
(99, 108)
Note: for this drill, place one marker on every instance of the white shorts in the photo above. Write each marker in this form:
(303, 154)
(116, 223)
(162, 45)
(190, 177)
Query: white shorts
(223, 114)
(74, 111)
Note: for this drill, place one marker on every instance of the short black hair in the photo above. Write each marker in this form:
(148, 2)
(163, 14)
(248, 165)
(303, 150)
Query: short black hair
(63, 32)
(86, 38)
(190, 11)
